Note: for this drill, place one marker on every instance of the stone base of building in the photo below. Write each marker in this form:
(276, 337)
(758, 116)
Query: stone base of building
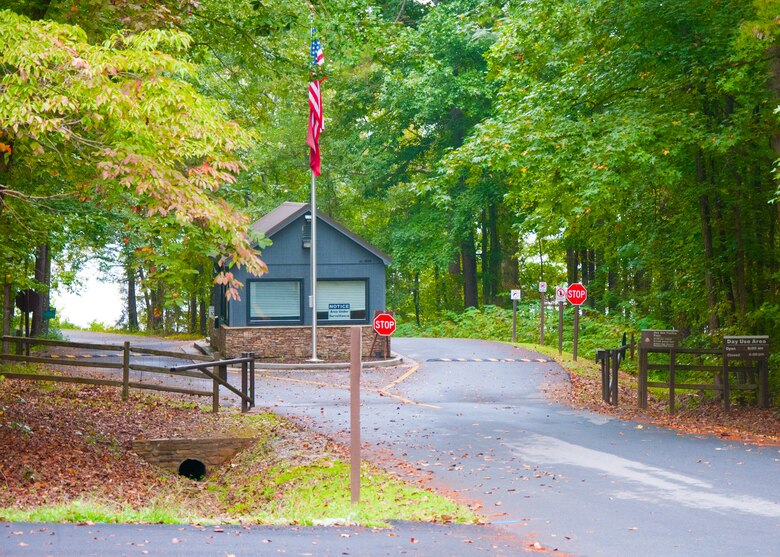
(294, 343)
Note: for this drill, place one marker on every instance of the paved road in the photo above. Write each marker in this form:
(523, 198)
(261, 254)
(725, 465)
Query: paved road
(104, 540)
(570, 481)
(550, 479)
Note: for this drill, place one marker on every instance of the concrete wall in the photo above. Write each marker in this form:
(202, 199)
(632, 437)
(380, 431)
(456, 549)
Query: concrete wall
(168, 454)
(291, 343)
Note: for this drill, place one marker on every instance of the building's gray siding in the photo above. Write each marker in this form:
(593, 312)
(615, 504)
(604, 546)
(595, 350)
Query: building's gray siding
(338, 257)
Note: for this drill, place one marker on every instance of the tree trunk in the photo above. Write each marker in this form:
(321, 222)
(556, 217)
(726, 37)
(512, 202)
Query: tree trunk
(203, 311)
(485, 260)
(416, 293)
(147, 300)
(132, 300)
(40, 326)
(584, 267)
(469, 263)
(193, 310)
(706, 234)
(740, 286)
(8, 313)
(572, 274)
(494, 262)
(774, 86)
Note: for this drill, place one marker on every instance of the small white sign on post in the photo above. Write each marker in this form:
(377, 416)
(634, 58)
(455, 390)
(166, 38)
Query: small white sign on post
(515, 294)
(542, 287)
(560, 294)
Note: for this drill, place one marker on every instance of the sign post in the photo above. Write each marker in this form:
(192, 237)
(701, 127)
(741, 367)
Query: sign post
(514, 295)
(356, 363)
(542, 290)
(560, 297)
(655, 339)
(750, 349)
(576, 294)
(384, 326)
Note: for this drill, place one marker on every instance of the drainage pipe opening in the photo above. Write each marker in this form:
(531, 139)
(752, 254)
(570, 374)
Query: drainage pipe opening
(192, 469)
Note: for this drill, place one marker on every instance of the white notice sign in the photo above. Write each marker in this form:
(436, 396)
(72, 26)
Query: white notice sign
(514, 294)
(338, 312)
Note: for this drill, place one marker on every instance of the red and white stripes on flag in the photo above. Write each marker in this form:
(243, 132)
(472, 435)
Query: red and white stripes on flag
(315, 125)
(315, 106)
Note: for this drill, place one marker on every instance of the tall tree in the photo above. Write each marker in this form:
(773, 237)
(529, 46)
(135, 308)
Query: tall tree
(119, 126)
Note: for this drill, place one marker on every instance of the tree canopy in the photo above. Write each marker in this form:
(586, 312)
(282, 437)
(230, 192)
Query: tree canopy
(485, 145)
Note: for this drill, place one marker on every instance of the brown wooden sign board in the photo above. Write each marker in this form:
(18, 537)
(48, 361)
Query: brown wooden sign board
(746, 347)
(655, 338)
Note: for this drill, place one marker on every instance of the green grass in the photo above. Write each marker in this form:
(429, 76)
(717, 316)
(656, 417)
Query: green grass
(86, 510)
(315, 494)
(320, 493)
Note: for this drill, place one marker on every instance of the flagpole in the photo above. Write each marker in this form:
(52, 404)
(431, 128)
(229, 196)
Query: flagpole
(313, 254)
(312, 140)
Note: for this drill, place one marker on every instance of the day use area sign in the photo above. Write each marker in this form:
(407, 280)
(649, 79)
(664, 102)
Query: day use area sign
(746, 347)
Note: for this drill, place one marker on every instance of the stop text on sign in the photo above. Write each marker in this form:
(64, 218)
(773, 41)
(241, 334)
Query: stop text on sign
(576, 294)
(384, 324)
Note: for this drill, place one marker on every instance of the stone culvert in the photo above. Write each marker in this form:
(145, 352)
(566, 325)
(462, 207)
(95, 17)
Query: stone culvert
(193, 458)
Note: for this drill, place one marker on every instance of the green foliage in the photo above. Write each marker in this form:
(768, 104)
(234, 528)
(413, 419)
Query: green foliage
(319, 494)
(630, 147)
(91, 511)
(495, 323)
(139, 138)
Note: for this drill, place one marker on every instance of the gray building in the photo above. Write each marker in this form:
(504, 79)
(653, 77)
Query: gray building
(351, 278)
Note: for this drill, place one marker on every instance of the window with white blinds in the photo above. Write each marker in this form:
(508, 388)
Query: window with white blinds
(275, 300)
(340, 292)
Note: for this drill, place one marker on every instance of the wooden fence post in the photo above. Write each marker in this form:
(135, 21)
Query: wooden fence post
(222, 374)
(614, 377)
(244, 382)
(126, 371)
(726, 387)
(8, 310)
(763, 383)
(252, 377)
(642, 383)
(672, 358)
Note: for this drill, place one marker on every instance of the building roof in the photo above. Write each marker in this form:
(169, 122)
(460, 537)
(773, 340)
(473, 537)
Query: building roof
(287, 212)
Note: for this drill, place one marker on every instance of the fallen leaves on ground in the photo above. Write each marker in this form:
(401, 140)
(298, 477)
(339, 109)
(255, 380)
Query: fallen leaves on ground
(61, 442)
(695, 415)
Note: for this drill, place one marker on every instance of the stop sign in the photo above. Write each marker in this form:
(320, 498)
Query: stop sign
(384, 324)
(576, 294)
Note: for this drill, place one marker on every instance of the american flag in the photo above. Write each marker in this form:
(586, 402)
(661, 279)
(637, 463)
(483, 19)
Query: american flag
(315, 107)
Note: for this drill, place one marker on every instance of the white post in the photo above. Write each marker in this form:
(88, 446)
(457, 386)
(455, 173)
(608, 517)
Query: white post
(313, 297)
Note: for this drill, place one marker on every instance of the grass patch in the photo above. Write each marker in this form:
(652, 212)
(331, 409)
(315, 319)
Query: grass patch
(319, 494)
(91, 511)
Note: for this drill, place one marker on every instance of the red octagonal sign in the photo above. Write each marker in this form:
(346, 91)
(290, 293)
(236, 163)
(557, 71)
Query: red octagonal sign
(576, 294)
(384, 324)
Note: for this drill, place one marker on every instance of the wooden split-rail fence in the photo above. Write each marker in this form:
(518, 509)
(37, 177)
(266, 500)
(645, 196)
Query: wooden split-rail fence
(125, 351)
